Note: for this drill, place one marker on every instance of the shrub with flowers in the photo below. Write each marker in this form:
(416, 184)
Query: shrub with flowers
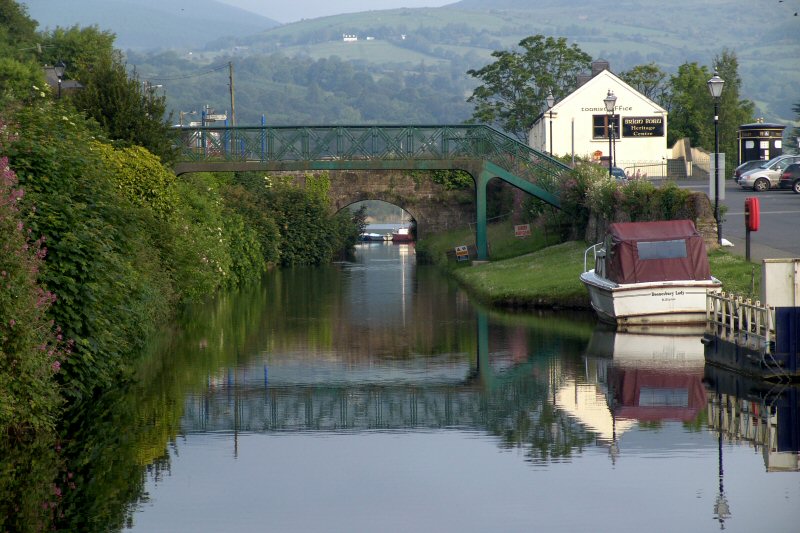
(31, 347)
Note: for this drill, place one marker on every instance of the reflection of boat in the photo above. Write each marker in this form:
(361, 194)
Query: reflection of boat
(402, 235)
(675, 349)
(650, 273)
(652, 377)
(650, 394)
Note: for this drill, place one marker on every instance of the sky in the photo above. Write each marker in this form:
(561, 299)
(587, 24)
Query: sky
(294, 10)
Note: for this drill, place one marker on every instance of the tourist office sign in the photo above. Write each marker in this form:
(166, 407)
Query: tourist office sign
(642, 126)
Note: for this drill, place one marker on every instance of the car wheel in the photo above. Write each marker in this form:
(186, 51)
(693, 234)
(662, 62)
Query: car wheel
(796, 186)
(761, 185)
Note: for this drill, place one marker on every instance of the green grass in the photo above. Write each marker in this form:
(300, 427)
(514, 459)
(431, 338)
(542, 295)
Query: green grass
(528, 273)
(502, 244)
(546, 278)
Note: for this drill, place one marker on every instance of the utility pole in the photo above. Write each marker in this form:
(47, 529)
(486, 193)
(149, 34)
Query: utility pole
(233, 105)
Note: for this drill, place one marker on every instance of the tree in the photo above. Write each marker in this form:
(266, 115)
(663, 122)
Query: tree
(515, 86)
(19, 70)
(691, 106)
(129, 111)
(651, 81)
(795, 135)
(733, 110)
(692, 111)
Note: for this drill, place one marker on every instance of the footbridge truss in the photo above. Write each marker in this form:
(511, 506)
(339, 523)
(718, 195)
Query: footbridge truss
(482, 151)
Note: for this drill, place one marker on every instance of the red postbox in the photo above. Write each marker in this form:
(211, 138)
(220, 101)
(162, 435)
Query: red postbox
(752, 214)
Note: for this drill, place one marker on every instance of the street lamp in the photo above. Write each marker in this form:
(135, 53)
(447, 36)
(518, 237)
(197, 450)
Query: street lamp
(610, 101)
(550, 102)
(59, 69)
(715, 88)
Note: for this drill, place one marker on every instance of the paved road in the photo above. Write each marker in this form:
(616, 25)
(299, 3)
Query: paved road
(779, 234)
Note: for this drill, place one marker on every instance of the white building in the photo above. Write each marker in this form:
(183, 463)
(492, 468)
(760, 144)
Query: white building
(580, 125)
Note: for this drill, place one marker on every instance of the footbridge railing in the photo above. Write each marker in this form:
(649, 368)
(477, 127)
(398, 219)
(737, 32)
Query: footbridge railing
(376, 144)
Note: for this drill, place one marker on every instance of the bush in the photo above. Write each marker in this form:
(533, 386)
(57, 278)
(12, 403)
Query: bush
(109, 285)
(31, 349)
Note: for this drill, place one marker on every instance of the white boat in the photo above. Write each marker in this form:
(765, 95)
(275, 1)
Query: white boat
(402, 235)
(650, 274)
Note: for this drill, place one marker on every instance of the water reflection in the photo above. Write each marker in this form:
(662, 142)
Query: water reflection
(252, 403)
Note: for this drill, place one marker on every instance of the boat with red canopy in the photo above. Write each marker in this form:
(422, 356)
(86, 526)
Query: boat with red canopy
(650, 274)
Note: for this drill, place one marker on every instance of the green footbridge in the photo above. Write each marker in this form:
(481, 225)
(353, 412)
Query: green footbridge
(482, 151)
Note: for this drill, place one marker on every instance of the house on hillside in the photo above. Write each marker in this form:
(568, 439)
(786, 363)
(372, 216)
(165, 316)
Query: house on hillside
(580, 125)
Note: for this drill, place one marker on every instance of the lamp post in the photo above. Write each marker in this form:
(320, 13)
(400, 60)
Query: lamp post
(59, 69)
(550, 102)
(715, 88)
(610, 101)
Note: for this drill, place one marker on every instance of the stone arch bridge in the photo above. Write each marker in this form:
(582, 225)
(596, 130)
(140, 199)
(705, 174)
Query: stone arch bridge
(481, 151)
(433, 207)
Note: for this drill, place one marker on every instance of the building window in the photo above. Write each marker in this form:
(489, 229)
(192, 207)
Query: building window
(600, 126)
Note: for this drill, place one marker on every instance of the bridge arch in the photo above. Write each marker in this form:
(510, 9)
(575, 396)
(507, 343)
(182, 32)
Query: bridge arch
(433, 207)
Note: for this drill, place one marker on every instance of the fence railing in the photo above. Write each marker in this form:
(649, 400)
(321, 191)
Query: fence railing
(373, 143)
(741, 321)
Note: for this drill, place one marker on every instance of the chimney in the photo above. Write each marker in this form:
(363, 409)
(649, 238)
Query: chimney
(599, 66)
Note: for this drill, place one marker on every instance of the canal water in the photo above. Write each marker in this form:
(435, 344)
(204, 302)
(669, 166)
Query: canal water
(374, 395)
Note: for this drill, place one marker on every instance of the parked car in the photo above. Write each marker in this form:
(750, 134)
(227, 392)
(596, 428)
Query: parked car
(790, 179)
(745, 167)
(619, 174)
(768, 174)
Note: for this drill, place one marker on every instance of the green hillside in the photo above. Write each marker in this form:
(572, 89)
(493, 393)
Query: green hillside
(151, 23)
(629, 34)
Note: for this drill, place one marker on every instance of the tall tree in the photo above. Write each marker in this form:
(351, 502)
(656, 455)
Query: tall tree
(128, 111)
(19, 71)
(515, 86)
(795, 134)
(733, 110)
(692, 111)
(651, 81)
(691, 106)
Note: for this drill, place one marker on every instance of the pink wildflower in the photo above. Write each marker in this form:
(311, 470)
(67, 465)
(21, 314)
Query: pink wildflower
(56, 366)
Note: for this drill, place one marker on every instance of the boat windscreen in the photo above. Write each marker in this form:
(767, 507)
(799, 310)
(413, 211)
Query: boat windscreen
(662, 249)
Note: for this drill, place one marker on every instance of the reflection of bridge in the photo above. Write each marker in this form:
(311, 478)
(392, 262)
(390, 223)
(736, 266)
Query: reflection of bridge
(516, 408)
(483, 152)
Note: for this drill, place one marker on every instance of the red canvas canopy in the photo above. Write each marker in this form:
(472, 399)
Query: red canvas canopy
(650, 395)
(664, 250)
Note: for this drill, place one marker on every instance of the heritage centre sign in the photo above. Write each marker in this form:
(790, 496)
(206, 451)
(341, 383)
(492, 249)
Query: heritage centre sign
(642, 126)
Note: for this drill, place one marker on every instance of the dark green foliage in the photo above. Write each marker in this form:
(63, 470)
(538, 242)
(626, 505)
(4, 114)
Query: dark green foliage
(692, 107)
(243, 202)
(300, 90)
(31, 351)
(107, 283)
(515, 86)
(308, 230)
(795, 134)
(127, 110)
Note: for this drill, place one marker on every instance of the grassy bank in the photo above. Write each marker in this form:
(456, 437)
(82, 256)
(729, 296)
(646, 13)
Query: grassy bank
(549, 275)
